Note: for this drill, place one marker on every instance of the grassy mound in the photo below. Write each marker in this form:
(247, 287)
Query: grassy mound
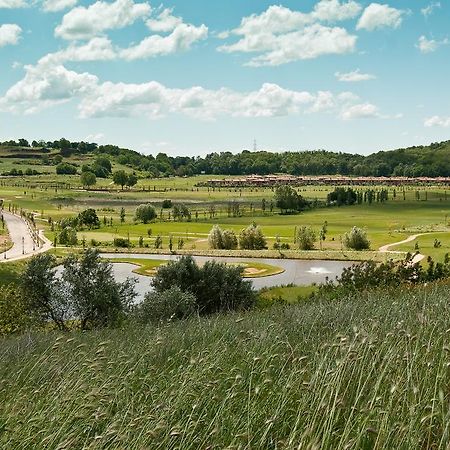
(363, 373)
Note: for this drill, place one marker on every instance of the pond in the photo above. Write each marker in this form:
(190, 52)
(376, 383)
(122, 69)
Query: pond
(298, 272)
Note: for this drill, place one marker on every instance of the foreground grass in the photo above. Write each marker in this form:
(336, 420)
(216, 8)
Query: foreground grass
(370, 372)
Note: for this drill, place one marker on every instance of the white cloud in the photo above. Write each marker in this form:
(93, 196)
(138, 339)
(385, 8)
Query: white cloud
(360, 111)
(12, 4)
(9, 34)
(58, 5)
(46, 85)
(281, 35)
(85, 23)
(430, 45)
(437, 121)
(354, 76)
(165, 22)
(181, 39)
(377, 16)
(428, 10)
(95, 137)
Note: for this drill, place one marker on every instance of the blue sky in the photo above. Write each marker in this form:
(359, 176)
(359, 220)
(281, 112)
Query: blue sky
(191, 77)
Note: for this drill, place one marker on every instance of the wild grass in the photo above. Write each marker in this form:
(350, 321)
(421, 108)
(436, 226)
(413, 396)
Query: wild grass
(362, 373)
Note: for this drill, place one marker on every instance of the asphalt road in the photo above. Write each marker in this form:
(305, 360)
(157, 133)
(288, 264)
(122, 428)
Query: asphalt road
(21, 237)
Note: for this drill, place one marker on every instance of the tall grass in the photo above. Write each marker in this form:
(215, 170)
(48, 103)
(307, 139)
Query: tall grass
(362, 373)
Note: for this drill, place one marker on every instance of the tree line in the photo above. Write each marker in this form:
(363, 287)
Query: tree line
(431, 161)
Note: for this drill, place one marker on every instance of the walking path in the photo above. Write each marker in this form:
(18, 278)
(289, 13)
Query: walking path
(21, 235)
(387, 248)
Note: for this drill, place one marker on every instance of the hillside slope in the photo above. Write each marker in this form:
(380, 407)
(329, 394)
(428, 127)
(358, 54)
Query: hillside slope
(369, 372)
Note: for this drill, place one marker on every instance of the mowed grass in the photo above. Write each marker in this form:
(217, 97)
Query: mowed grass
(362, 373)
(426, 244)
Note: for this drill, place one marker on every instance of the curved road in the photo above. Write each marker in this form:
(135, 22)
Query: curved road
(21, 237)
(387, 248)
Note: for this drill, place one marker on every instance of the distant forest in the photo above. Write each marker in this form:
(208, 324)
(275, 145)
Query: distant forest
(431, 161)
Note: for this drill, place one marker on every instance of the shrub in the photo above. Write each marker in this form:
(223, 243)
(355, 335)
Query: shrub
(88, 218)
(167, 306)
(216, 286)
(252, 238)
(229, 240)
(222, 239)
(357, 239)
(14, 317)
(66, 169)
(145, 213)
(68, 236)
(121, 243)
(287, 199)
(167, 204)
(306, 238)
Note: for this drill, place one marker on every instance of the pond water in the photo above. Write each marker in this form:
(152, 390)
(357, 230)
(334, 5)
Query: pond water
(298, 272)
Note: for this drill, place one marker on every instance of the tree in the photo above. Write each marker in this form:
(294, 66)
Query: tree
(88, 179)
(216, 286)
(357, 239)
(95, 297)
(341, 196)
(42, 291)
(68, 236)
(181, 211)
(89, 218)
(122, 215)
(66, 169)
(14, 316)
(306, 238)
(252, 238)
(222, 239)
(167, 306)
(287, 199)
(132, 180)
(145, 213)
(229, 240)
(120, 178)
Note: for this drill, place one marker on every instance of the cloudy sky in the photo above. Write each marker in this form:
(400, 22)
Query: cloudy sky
(191, 77)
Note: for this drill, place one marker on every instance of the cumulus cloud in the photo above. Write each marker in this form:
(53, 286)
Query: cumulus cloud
(46, 85)
(377, 16)
(12, 4)
(437, 121)
(354, 76)
(360, 111)
(428, 10)
(181, 39)
(281, 35)
(58, 5)
(165, 22)
(9, 34)
(49, 83)
(87, 22)
(426, 45)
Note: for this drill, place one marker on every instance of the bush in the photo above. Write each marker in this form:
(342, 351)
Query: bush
(14, 317)
(306, 238)
(252, 238)
(222, 239)
(66, 169)
(167, 306)
(216, 286)
(145, 213)
(121, 243)
(229, 240)
(357, 239)
(68, 236)
(167, 204)
(89, 218)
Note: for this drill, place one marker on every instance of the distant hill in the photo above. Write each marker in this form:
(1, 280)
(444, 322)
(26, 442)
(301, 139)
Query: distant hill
(432, 160)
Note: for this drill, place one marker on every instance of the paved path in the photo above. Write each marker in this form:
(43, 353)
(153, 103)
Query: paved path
(387, 248)
(22, 239)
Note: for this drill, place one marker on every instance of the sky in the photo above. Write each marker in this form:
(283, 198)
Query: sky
(190, 77)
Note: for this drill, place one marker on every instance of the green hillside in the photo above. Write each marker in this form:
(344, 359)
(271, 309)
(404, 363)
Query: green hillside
(361, 373)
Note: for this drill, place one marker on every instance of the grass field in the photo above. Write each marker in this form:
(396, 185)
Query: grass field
(362, 373)
(385, 223)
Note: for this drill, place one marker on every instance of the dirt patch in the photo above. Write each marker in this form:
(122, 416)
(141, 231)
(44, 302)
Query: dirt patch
(253, 271)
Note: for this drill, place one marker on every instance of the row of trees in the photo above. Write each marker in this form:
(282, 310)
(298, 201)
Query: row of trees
(432, 160)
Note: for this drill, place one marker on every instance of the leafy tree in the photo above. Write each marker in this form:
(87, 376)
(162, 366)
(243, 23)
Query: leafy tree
(145, 213)
(222, 239)
(287, 199)
(88, 179)
(357, 239)
(181, 211)
(167, 306)
(252, 238)
(68, 236)
(42, 291)
(66, 169)
(95, 297)
(158, 242)
(229, 240)
(341, 196)
(166, 204)
(89, 218)
(14, 316)
(216, 286)
(120, 178)
(306, 238)
(132, 180)
(122, 215)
